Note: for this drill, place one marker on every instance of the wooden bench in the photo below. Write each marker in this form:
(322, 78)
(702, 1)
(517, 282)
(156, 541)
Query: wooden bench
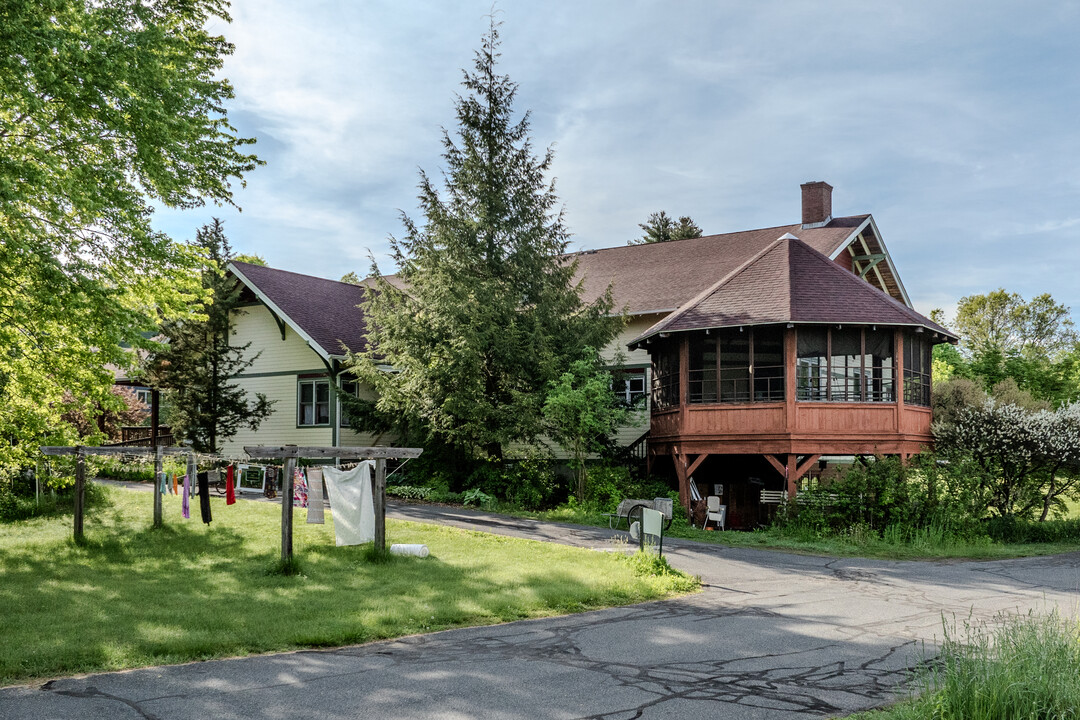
(629, 509)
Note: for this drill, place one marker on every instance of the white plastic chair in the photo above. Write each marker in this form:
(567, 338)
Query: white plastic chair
(714, 512)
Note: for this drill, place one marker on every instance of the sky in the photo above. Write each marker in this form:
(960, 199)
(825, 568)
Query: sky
(954, 124)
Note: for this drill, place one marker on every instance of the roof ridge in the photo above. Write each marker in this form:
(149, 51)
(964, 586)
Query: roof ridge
(712, 235)
(697, 299)
(293, 272)
(855, 281)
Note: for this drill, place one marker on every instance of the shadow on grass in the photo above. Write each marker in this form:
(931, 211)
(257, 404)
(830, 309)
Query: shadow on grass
(134, 595)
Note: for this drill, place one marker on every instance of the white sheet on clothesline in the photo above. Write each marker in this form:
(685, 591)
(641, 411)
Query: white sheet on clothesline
(351, 504)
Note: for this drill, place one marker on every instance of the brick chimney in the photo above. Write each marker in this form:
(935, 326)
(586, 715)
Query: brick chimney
(816, 204)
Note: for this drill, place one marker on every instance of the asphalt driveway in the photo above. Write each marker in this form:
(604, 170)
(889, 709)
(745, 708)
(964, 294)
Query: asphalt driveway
(773, 635)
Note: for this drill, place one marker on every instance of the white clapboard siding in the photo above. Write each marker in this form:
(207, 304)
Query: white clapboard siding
(256, 325)
(280, 428)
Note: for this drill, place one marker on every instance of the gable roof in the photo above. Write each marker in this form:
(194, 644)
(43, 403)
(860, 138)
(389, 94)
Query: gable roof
(323, 312)
(790, 282)
(662, 277)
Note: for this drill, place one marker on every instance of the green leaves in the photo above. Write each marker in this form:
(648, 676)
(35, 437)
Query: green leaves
(484, 311)
(106, 107)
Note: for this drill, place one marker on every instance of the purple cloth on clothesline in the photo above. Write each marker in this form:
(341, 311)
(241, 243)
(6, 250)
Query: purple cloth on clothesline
(185, 504)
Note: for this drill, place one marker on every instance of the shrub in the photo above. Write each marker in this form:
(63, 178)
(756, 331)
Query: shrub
(477, 497)
(1010, 529)
(409, 492)
(884, 494)
(21, 506)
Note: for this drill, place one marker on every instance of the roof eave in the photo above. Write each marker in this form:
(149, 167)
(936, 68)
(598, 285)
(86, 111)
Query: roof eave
(265, 300)
(650, 334)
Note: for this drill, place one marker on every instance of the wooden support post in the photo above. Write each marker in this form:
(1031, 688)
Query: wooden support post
(790, 475)
(155, 416)
(80, 488)
(684, 479)
(159, 468)
(379, 497)
(286, 509)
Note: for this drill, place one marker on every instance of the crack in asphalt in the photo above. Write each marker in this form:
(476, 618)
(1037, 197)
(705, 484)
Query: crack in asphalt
(92, 692)
(830, 649)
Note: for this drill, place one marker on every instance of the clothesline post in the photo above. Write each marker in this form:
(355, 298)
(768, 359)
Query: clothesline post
(287, 509)
(80, 487)
(159, 468)
(379, 497)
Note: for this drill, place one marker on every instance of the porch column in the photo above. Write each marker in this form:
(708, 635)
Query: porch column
(898, 367)
(684, 371)
(790, 364)
(684, 478)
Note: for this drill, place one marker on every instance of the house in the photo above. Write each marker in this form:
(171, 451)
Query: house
(768, 355)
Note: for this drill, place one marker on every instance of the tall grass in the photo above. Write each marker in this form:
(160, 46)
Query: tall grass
(1024, 667)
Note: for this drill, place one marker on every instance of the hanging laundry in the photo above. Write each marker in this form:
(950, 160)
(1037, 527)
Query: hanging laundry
(204, 497)
(300, 489)
(175, 489)
(185, 504)
(230, 488)
(315, 496)
(351, 503)
(163, 483)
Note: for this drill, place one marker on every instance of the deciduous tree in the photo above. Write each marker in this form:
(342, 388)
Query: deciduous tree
(582, 412)
(106, 107)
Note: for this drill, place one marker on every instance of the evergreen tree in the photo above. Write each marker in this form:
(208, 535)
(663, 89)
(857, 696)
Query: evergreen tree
(662, 228)
(196, 363)
(492, 313)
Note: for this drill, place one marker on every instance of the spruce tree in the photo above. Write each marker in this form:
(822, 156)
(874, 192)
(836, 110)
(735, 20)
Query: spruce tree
(196, 363)
(491, 312)
(660, 227)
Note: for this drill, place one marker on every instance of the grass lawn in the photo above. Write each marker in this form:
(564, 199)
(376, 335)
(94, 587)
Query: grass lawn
(134, 596)
(926, 547)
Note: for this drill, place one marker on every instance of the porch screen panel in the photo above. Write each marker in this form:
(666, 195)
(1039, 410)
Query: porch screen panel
(880, 375)
(811, 365)
(702, 375)
(916, 369)
(846, 365)
(735, 366)
(665, 375)
(768, 364)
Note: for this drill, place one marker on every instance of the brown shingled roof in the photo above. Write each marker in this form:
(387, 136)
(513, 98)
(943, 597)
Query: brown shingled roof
(664, 276)
(790, 282)
(324, 310)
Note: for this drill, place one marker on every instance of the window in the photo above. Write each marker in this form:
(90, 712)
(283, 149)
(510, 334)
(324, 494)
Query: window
(350, 388)
(665, 389)
(737, 366)
(812, 373)
(628, 386)
(702, 376)
(917, 365)
(734, 365)
(845, 365)
(143, 395)
(313, 402)
(880, 386)
(768, 364)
